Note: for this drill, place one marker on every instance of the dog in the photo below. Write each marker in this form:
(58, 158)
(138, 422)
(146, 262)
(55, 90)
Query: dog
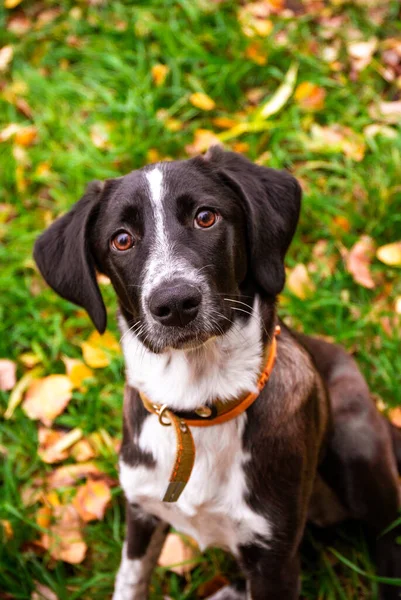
(195, 252)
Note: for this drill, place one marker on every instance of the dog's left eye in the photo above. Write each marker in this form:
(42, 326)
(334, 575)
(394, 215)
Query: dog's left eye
(205, 217)
(122, 241)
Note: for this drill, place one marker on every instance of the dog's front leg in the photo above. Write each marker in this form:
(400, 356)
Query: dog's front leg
(144, 540)
(271, 573)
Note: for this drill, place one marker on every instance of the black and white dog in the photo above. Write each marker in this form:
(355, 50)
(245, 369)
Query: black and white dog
(195, 252)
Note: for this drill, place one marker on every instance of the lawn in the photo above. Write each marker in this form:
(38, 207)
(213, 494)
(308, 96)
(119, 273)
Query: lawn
(90, 90)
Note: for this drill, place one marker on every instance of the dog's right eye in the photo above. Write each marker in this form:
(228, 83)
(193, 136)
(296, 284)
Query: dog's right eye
(122, 241)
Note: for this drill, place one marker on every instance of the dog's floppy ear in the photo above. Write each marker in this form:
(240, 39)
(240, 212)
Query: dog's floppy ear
(271, 201)
(63, 256)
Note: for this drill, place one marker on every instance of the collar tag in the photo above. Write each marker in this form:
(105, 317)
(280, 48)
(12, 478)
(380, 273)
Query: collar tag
(202, 417)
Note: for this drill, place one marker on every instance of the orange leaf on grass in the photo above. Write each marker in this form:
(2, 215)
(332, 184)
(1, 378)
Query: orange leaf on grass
(310, 96)
(203, 139)
(47, 398)
(54, 445)
(179, 554)
(202, 101)
(26, 136)
(395, 416)
(64, 539)
(67, 475)
(92, 499)
(159, 73)
(82, 451)
(358, 261)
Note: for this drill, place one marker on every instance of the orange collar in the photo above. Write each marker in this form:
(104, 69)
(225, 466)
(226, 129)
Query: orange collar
(205, 416)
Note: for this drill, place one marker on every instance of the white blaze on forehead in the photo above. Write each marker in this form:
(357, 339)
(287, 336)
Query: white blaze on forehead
(163, 263)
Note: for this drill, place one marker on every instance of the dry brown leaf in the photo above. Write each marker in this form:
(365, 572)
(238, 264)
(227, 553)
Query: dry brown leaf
(42, 592)
(47, 398)
(179, 549)
(26, 136)
(202, 101)
(159, 73)
(203, 140)
(361, 53)
(19, 24)
(77, 371)
(67, 475)
(310, 96)
(358, 261)
(82, 451)
(390, 254)
(54, 445)
(6, 55)
(209, 588)
(8, 371)
(64, 539)
(337, 138)
(92, 499)
(299, 282)
(390, 112)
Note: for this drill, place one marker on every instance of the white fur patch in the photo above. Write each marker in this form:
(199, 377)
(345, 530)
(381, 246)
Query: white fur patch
(212, 508)
(222, 368)
(163, 265)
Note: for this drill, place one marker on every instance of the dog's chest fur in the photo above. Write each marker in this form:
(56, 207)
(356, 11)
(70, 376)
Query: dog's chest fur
(212, 509)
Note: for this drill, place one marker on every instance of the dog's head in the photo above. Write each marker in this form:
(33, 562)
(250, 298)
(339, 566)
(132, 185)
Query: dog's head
(181, 242)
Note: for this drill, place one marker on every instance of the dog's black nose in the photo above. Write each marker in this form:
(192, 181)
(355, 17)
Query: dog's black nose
(176, 304)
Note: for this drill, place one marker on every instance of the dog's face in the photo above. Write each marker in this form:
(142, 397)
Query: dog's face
(181, 242)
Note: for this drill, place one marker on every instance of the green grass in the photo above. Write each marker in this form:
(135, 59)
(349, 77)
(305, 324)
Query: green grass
(91, 65)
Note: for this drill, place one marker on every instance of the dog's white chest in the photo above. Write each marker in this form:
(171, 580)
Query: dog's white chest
(211, 508)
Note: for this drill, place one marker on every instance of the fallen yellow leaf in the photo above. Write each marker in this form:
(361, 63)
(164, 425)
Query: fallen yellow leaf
(94, 349)
(395, 416)
(18, 392)
(77, 371)
(299, 282)
(92, 499)
(202, 101)
(390, 254)
(358, 261)
(46, 398)
(159, 73)
(11, 3)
